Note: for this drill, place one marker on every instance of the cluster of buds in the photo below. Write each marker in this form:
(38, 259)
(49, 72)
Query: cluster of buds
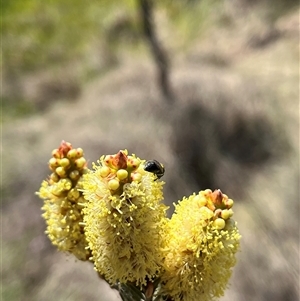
(114, 216)
(67, 163)
(219, 204)
(63, 200)
(119, 169)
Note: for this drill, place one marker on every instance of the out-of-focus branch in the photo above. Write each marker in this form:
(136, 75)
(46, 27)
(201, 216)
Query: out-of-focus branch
(160, 56)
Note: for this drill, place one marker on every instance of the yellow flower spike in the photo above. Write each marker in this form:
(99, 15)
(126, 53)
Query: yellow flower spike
(124, 227)
(63, 201)
(200, 248)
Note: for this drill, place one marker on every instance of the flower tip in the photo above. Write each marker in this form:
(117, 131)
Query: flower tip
(64, 148)
(217, 197)
(120, 160)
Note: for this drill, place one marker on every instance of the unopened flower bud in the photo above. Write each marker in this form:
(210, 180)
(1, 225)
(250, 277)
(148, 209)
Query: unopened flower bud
(219, 223)
(229, 203)
(79, 163)
(74, 175)
(113, 184)
(133, 163)
(226, 213)
(79, 152)
(64, 162)
(122, 174)
(202, 201)
(136, 177)
(54, 177)
(104, 171)
(56, 154)
(53, 163)
(72, 154)
(61, 171)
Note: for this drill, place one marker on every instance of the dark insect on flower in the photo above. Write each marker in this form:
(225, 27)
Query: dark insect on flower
(155, 167)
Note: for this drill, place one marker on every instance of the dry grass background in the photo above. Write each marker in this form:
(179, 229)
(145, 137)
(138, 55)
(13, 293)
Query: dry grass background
(234, 126)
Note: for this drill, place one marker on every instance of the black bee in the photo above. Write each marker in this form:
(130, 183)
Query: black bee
(155, 167)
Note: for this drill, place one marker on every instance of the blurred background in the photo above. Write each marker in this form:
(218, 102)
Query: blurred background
(209, 88)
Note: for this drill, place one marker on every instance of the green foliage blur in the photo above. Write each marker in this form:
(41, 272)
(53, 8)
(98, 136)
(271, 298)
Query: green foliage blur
(64, 43)
(37, 33)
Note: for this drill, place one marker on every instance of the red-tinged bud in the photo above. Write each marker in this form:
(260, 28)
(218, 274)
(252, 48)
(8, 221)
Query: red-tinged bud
(80, 163)
(120, 160)
(56, 154)
(229, 203)
(217, 197)
(64, 148)
(53, 163)
(217, 213)
(79, 152)
(133, 163)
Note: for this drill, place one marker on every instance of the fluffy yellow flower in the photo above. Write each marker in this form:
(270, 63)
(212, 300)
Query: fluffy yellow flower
(123, 219)
(63, 202)
(201, 242)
